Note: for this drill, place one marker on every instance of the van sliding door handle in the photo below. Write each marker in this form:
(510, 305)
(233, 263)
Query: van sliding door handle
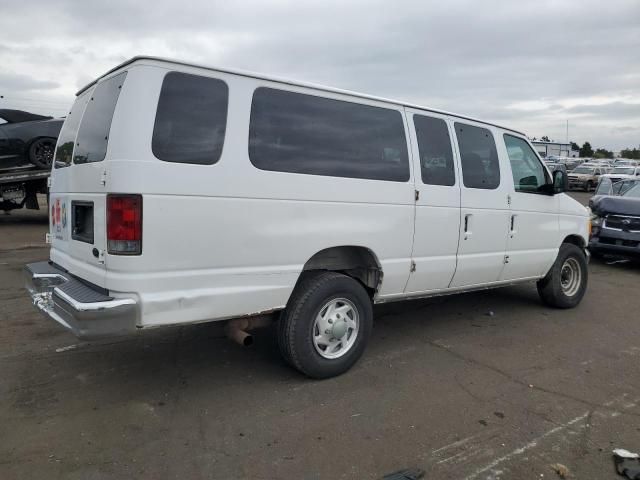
(467, 226)
(512, 226)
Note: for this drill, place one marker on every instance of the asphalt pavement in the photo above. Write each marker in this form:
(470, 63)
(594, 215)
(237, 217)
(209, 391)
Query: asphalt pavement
(487, 385)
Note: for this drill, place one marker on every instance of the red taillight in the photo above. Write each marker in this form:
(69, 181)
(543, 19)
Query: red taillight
(124, 224)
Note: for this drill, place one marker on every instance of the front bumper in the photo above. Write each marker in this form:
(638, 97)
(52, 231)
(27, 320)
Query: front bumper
(577, 183)
(616, 242)
(84, 310)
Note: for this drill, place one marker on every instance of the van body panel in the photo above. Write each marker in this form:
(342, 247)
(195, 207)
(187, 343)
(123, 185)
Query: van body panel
(230, 239)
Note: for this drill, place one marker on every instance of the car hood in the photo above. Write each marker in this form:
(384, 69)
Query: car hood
(618, 175)
(580, 175)
(602, 204)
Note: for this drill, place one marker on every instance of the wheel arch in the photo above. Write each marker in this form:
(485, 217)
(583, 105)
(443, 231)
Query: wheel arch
(576, 240)
(355, 261)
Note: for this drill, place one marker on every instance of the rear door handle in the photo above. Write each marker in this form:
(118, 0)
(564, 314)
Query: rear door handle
(467, 226)
(512, 227)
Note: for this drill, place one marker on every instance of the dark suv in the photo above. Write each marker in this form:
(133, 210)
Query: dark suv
(615, 218)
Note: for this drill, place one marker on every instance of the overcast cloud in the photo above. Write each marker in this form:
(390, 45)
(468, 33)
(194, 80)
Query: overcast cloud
(531, 65)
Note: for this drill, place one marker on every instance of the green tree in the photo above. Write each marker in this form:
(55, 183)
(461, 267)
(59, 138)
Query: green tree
(544, 139)
(575, 146)
(603, 153)
(586, 150)
(630, 153)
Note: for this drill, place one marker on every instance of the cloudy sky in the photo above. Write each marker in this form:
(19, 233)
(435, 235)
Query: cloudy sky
(528, 64)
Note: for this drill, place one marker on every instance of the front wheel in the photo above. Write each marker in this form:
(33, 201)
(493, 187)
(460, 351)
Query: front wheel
(589, 186)
(566, 283)
(326, 325)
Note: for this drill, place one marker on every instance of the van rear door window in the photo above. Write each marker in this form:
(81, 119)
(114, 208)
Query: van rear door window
(191, 119)
(67, 137)
(93, 136)
(434, 146)
(479, 157)
(299, 133)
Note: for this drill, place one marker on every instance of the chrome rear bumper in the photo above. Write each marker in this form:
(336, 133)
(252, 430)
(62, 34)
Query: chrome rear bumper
(84, 310)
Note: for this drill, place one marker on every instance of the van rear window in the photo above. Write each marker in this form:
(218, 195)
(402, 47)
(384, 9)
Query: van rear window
(93, 136)
(191, 119)
(299, 133)
(67, 137)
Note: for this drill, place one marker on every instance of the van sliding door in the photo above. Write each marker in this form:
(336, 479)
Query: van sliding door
(437, 215)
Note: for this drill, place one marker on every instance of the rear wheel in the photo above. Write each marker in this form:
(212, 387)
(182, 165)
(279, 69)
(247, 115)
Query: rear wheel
(589, 186)
(326, 325)
(41, 152)
(565, 284)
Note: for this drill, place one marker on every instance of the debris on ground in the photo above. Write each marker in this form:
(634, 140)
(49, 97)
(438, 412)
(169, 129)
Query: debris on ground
(561, 470)
(627, 463)
(66, 349)
(617, 260)
(407, 474)
(490, 313)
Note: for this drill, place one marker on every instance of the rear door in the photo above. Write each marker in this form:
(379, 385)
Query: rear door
(78, 198)
(484, 212)
(437, 224)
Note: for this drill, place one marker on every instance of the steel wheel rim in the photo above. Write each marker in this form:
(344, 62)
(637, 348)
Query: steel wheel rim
(44, 152)
(570, 277)
(335, 328)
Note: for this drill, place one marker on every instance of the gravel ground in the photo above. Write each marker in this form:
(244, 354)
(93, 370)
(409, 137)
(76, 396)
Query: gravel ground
(476, 386)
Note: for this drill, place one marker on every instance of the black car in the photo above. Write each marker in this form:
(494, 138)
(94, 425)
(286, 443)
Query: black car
(615, 218)
(27, 140)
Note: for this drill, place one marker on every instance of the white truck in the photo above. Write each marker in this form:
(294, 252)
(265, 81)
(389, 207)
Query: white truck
(186, 194)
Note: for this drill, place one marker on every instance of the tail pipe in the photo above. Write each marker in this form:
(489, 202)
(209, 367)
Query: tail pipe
(236, 329)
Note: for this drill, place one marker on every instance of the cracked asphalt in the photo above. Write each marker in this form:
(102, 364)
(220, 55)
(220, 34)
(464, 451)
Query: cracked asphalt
(488, 385)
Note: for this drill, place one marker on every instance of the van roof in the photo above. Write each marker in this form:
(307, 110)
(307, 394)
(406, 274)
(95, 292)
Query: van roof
(289, 82)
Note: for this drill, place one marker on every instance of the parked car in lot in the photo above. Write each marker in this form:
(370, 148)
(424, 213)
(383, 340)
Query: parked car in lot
(184, 194)
(585, 177)
(622, 173)
(27, 140)
(615, 218)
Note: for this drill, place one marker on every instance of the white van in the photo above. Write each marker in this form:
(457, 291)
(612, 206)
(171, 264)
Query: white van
(184, 194)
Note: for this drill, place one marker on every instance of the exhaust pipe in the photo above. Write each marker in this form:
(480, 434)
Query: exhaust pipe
(236, 329)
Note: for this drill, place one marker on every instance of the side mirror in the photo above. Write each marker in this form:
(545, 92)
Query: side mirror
(560, 182)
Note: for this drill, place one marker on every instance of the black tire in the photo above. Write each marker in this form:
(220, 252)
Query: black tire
(589, 186)
(41, 152)
(555, 289)
(297, 323)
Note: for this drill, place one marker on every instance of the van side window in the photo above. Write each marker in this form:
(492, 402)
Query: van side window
(93, 135)
(528, 173)
(299, 133)
(479, 157)
(434, 146)
(191, 119)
